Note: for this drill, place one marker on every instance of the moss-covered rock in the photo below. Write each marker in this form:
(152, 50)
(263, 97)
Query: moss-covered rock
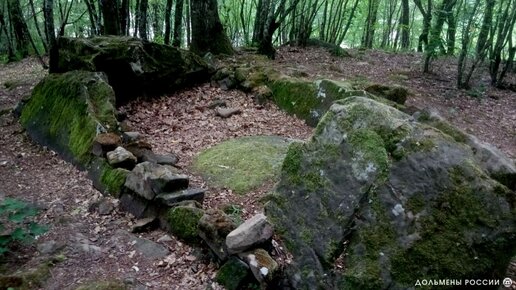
(184, 222)
(243, 164)
(234, 274)
(134, 66)
(394, 198)
(33, 278)
(66, 112)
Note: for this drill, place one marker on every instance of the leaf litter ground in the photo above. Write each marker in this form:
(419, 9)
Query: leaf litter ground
(182, 123)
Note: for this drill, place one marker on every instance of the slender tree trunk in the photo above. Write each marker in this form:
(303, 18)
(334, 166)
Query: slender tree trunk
(92, 12)
(142, 22)
(168, 14)
(435, 35)
(21, 32)
(136, 18)
(156, 21)
(405, 28)
(178, 23)
(3, 28)
(370, 23)
(36, 24)
(427, 21)
(124, 17)
(207, 32)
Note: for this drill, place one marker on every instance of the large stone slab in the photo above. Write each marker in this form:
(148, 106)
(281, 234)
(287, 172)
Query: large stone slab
(255, 231)
(134, 67)
(393, 200)
(148, 179)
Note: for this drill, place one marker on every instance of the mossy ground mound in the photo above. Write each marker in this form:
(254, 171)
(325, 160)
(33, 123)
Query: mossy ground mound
(243, 164)
(405, 198)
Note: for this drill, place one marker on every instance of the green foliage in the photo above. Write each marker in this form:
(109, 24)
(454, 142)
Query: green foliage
(16, 224)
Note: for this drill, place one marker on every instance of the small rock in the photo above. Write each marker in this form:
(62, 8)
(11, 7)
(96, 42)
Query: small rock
(120, 157)
(132, 136)
(148, 179)
(48, 247)
(262, 265)
(165, 238)
(144, 225)
(216, 104)
(169, 199)
(214, 226)
(105, 207)
(252, 232)
(104, 143)
(167, 159)
(150, 249)
(227, 112)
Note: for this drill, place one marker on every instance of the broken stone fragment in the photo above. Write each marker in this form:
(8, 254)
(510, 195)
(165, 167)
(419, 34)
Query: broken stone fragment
(104, 143)
(262, 265)
(132, 136)
(252, 232)
(145, 224)
(227, 112)
(169, 199)
(167, 159)
(148, 179)
(122, 158)
(214, 226)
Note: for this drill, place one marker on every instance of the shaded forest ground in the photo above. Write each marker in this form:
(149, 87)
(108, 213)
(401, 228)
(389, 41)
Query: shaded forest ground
(181, 123)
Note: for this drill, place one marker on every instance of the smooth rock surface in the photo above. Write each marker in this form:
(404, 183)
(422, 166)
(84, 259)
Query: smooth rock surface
(254, 231)
(122, 158)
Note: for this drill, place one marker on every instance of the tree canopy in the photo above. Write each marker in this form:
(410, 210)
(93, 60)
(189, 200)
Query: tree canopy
(475, 31)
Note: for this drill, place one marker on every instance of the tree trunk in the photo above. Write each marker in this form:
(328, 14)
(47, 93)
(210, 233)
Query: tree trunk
(157, 27)
(370, 23)
(427, 21)
(178, 23)
(36, 24)
(405, 28)
(124, 17)
(207, 32)
(21, 32)
(142, 21)
(435, 35)
(3, 28)
(168, 14)
(92, 12)
(110, 14)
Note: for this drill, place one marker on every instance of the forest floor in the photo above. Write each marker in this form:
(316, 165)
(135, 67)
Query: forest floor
(95, 247)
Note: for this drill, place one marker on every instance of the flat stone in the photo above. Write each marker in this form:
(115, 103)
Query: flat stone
(150, 249)
(148, 179)
(227, 112)
(216, 104)
(252, 232)
(167, 159)
(145, 224)
(169, 199)
(104, 143)
(214, 226)
(131, 136)
(138, 206)
(262, 265)
(120, 157)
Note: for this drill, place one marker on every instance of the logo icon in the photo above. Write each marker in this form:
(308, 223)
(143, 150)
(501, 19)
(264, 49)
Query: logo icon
(507, 282)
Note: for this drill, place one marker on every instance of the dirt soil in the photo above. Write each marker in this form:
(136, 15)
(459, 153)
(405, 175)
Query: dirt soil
(92, 245)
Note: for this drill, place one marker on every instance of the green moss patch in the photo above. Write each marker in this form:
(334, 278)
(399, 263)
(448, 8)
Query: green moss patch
(184, 222)
(243, 164)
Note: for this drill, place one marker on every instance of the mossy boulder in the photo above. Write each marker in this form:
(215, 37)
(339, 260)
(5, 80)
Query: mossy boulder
(393, 199)
(134, 66)
(66, 112)
(243, 164)
(234, 274)
(183, 221)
